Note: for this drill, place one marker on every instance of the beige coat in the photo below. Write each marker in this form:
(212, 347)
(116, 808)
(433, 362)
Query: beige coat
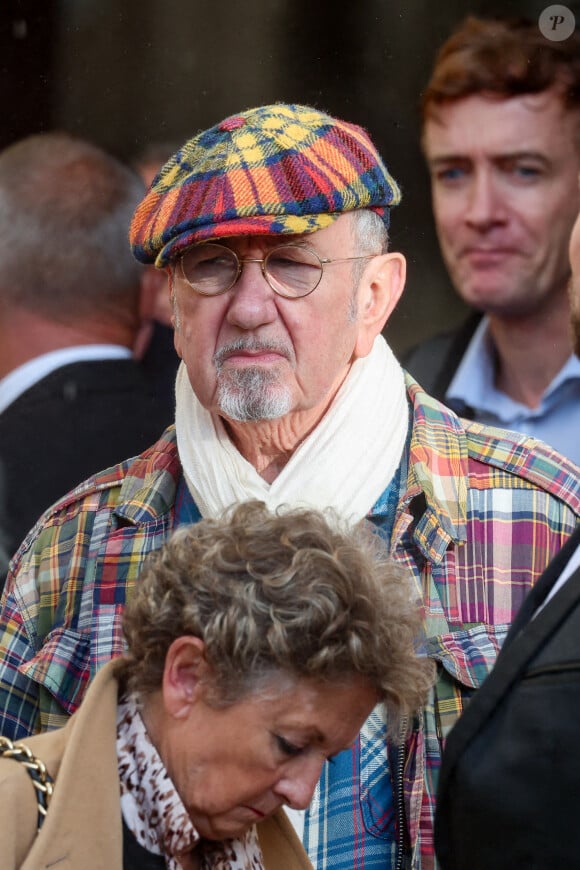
(83, 829)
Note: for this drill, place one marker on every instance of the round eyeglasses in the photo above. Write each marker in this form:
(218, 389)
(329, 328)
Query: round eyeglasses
(292, 271)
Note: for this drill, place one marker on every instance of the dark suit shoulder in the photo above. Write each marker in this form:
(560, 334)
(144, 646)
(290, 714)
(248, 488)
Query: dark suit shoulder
(78, 420)
(516, 741)
(433, 362)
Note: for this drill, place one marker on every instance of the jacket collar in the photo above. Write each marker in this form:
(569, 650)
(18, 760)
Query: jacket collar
(149, 486)
(434, 493)
(72, 837)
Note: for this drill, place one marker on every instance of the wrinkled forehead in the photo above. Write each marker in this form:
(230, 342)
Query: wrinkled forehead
(544, 115)
(539, 107)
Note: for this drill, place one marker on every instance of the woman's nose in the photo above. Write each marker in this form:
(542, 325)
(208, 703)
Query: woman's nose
(297, 785)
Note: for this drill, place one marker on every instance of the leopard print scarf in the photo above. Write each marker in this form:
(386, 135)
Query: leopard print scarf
(154, 812)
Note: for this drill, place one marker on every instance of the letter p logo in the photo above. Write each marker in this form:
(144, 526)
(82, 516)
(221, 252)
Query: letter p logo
(557, 23)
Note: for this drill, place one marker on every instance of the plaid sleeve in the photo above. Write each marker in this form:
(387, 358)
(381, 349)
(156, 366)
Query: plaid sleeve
(19, 706)
(61, 610)
(40, 612)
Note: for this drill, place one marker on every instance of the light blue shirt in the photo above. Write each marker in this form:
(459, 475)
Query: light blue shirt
(556, 420)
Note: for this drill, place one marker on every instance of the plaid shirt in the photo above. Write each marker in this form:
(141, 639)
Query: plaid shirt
(478, 516)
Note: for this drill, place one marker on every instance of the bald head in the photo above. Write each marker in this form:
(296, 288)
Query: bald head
(65, 209)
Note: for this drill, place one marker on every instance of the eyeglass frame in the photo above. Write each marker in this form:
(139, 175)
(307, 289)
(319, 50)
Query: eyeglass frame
(323, 261)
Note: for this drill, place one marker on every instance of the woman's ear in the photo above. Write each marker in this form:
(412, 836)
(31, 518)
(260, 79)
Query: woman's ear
(183, 674)
(379, 290)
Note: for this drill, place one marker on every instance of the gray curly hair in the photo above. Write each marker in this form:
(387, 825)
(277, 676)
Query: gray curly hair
(295, 592)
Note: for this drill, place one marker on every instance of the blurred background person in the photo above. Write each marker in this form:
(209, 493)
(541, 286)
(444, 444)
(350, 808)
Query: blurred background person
(501, 135)
(508, 792)
(151, 157)
(72, 306)
(256, 647)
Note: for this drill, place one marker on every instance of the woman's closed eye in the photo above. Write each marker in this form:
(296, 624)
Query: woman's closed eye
(288, 748)
(292, 750)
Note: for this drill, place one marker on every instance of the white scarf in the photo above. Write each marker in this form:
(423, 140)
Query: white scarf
(346, 462)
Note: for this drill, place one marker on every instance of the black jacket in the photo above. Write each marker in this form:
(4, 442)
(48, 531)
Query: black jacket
(509, 788)
(76, 421)
(433, 362)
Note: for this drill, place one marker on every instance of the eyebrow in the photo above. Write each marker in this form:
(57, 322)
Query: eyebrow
(501, 156)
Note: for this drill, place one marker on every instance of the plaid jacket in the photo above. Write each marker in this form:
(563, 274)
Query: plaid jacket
(478, 516)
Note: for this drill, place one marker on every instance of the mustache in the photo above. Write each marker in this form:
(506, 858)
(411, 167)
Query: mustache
(251, 345)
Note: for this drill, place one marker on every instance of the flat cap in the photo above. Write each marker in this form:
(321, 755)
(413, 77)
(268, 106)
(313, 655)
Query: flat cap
(267, 171)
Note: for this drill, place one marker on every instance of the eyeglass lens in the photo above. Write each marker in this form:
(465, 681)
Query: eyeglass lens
(291, 270)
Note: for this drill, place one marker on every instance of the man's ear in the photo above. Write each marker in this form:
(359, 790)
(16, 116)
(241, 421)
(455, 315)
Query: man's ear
(153, 284)
(152, 289)
(183, 674)
(163, 308)
(379, 291)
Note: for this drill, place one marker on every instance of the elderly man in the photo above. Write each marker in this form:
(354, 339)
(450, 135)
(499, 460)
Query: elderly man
(272, 226)
(501, 134)
(508, 792)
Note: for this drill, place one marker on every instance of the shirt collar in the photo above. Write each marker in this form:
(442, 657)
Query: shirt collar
(473, 383)
(29, 373)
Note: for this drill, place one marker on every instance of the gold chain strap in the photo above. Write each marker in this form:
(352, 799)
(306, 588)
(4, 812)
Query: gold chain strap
(41, 779)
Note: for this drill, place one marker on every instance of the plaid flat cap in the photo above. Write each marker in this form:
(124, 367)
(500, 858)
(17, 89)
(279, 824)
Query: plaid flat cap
(274, 169)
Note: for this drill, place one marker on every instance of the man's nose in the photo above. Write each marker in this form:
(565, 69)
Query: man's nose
(297, 785)
(485, 205)
(253, 302)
